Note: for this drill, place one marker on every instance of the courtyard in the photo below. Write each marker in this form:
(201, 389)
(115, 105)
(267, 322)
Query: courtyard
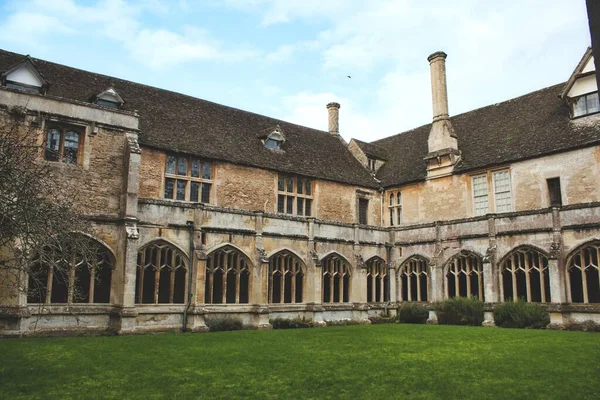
(376, 361)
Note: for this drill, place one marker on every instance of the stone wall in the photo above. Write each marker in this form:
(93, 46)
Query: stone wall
(152, 168)
(451, 197)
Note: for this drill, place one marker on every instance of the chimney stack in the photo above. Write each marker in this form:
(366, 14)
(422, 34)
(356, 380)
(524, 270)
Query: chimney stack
(334, 118)
(442, 142)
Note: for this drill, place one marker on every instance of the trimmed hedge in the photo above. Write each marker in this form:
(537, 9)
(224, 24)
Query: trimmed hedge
(294, 323)
(219, 324)
(585, 326)
(519, 314)
(413, 313)
(460, 311)
(382, 319)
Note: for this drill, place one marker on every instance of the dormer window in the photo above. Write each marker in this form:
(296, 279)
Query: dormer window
(372, 164)
(274, 140)
(109, 98)
(586, 104)
(24, 77)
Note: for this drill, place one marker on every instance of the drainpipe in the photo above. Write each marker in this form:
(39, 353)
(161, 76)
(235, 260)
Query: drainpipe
(191, 228)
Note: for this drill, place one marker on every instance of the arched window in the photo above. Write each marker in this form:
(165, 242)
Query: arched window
(336, 279)
(525, 276)
(286, 278)
(414, 279)
(162, 274)
(227, 278)
(377, 281)
(583, 274)
(464, 276)
(76, 272)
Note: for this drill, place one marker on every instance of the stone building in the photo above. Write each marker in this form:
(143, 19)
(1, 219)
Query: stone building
(202, 211)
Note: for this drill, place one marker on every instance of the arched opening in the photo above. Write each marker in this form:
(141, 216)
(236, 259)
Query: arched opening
(414, 279)
(524, 275)
(286, 278)
(227, 278)
(162, 274)
(464, 276)
(336, 279)
(377, 280)
(583, 273)
(75, 272)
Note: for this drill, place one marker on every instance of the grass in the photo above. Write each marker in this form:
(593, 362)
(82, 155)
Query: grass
(379, 361)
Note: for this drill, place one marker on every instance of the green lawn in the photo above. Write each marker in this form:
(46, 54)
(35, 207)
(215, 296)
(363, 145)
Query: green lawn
(378, 362)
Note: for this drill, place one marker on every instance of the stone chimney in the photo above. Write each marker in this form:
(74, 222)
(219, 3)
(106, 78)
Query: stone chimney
(442, 143)
(334, 118)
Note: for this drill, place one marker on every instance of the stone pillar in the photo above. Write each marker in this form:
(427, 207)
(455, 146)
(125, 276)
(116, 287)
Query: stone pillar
(557, 292)
(489, 283)
(130, 234)
(392, 273)
(437, 288)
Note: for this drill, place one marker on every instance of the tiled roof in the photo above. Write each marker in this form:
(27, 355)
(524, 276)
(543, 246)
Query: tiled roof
(181, 123)
(529, 126)
(371, 149)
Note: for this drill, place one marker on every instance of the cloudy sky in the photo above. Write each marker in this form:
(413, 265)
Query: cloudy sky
(289, 58)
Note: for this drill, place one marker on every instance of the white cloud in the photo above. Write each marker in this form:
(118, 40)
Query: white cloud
(120, 21)
(496, 51)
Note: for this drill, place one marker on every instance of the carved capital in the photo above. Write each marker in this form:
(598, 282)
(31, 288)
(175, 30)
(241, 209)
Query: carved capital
(360, 262)
(555, 250)
(489, 253)
(262, 255)
(132, 231)
(315, 258)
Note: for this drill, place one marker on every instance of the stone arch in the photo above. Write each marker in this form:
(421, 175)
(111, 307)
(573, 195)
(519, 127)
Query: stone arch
(524, 274)
(227, 244)
(336, 273)
(413, 278)
(78, 272)
(162, 273)
(463, 275)
(582, 273)
(378, 288)
(228, 276)
(337, 254)
(521, 247)
(286, 280)
(281, 249)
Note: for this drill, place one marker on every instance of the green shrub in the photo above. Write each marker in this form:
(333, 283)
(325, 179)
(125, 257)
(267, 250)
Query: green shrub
(218, 324)
(413, 313)
(520, 314)
(382, 319)
(294, 323)
(343, 322)
(460, 311)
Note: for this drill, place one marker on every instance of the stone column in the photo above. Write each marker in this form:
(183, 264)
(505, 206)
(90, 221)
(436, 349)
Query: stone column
(436, 279)
(557, 292)
(130, 234)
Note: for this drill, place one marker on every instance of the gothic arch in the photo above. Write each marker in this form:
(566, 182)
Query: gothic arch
(162, 273)
(523, 247)
(228, 276)
(226, 244)
(286, 281)
(282, 249)
(413, 279)
(582, 273)
(336, 278)
(463, 275)
(377, 284)
(75, 275)
(524, 274)
(166, 242)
